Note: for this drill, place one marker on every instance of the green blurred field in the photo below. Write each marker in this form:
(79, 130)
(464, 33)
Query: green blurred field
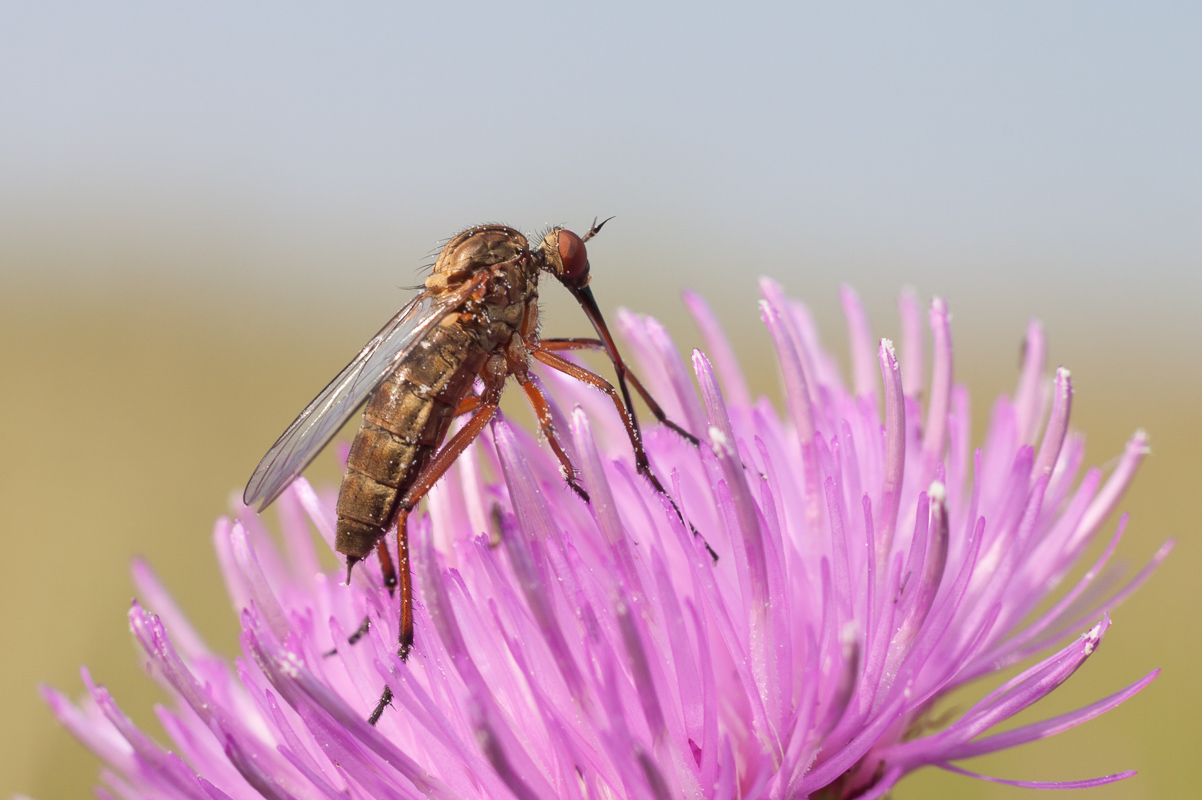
(129, 415)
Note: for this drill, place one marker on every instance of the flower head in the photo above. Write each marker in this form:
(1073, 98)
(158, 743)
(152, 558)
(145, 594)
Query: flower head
(868, 566)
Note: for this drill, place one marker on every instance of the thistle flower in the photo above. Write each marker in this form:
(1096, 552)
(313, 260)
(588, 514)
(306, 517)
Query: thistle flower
(867, 568)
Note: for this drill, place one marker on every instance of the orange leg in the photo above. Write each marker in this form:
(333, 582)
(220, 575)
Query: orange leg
(542, 410)
(597, 382)
(405, 638)
(386, 566)
(642, 464)
(428, 476)
(576, 343)
(469, 404)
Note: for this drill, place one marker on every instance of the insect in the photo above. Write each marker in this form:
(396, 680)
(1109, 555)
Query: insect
(475, 320)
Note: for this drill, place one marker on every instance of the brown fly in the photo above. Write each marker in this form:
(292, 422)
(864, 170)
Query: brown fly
(476, 320)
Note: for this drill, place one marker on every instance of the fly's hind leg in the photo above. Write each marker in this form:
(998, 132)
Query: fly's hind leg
(354, 638)
(469, 405)
(642, 463)
(429, 475)
(426, 478)
(385, 702)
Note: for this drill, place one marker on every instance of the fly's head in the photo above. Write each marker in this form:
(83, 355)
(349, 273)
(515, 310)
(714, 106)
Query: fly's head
(472, 250)
(565, 257)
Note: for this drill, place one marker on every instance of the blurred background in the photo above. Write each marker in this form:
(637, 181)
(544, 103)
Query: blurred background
(205, 209)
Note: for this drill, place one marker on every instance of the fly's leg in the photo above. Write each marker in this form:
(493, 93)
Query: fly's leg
(575, 343)
(390, 581)
(386, 567)
(405, 637)
(469, 405)
(542, 410)
(359, 633)
(597, 382)
(641, 462)
(385, 702)
(428, 476)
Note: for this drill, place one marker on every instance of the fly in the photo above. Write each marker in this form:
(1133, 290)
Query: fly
(476, 319)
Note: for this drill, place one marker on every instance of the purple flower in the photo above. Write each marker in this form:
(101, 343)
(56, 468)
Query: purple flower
(568, 650)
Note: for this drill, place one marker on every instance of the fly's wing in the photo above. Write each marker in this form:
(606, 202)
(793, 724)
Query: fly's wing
(322, 418)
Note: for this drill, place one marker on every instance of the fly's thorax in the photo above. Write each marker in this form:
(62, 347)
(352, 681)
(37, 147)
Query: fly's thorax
(508, 301)
(474, 249)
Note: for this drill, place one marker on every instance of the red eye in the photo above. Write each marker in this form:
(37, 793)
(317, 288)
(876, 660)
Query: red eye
(573, 255)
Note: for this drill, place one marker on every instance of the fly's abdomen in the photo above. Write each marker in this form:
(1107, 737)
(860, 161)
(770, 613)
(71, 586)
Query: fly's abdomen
(378, 463)
(404, 422)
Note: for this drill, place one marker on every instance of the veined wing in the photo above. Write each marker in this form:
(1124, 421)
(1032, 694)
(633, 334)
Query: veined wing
(322, 418)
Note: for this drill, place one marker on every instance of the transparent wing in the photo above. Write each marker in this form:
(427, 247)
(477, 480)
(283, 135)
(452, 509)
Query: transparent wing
(322, 418)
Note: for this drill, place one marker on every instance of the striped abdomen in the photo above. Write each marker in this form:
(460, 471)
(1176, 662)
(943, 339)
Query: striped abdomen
(404, 422)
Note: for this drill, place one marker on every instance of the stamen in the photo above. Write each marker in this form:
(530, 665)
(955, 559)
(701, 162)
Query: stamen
(895, 450)
(911, 344)
(1053, 437)
(859, 333)
(934, 442)
(720, 351)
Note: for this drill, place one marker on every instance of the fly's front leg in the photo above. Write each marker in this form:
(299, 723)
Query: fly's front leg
(642, 464)
(597, 382)
(542, 410)
(576, 343)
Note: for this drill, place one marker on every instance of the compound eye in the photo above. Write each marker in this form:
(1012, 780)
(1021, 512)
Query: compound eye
(573, 255)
